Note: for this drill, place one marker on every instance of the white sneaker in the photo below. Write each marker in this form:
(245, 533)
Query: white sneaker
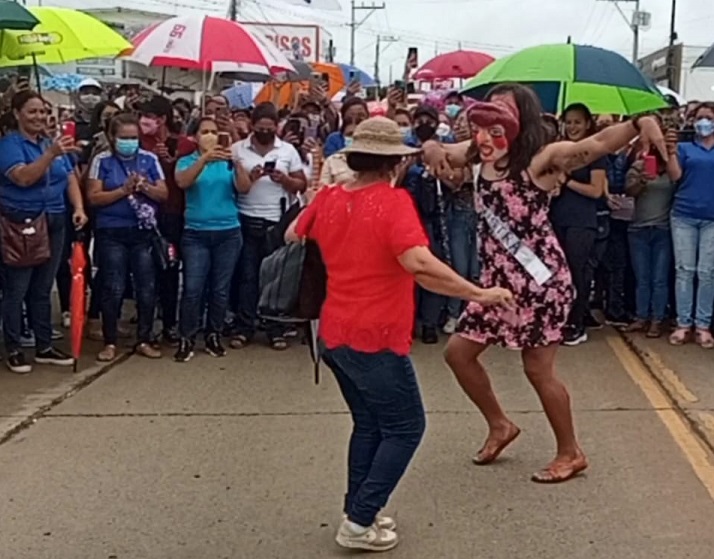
(450, 326)
(66, 320)
(382, 522)
(371, 539)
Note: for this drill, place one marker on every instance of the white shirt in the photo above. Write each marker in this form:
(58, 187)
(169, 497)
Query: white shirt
(263, 199)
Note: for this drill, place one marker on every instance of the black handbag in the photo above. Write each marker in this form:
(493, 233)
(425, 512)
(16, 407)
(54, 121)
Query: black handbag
(162, 252)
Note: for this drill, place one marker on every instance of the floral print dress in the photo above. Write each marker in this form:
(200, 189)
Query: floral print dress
(541, 310)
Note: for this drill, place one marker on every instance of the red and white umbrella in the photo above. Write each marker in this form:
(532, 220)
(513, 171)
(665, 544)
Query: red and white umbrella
(208, 44)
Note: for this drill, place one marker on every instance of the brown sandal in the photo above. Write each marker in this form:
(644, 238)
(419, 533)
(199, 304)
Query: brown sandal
(482, 459)
(239, 341)
(655, 330)
(559, 471)
(704, 338)
(680, 336)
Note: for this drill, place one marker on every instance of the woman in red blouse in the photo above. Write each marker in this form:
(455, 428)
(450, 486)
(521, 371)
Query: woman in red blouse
(374, 248)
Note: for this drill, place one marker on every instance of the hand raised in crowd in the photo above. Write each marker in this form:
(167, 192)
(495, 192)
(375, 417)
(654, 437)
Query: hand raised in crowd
(218, 153)
(64, 145)
(651, 135)
(279, 177)
(354, 87)
(225, 124)
(495, 296)
(310, 145)
(671, 138)
(131, 184)
(395, 97)
(79, 218)
(256, 173)
(162, 151)
(436, 159)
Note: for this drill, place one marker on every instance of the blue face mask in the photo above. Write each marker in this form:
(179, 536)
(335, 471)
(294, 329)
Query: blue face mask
(348, 141)
(406, 131)
(452, 110)
(704, 127)
(127, 147)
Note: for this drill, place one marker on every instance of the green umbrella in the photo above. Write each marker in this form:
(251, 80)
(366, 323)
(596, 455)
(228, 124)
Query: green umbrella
(15, 16)
(563, 74)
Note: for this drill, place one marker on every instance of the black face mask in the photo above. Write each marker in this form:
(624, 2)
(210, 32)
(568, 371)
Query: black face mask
(425, 131)
(264, 138)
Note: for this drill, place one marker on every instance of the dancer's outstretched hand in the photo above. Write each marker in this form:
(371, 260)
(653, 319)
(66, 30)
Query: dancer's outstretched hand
(495, 296)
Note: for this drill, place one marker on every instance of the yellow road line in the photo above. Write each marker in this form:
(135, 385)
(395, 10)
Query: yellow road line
(696, 454)
(668, 377)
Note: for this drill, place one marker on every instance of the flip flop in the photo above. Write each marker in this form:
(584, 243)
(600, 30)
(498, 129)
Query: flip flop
(547, 475)
(497, 451)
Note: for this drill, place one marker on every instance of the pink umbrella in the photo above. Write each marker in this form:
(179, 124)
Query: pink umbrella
(208, 44)
(453, 65)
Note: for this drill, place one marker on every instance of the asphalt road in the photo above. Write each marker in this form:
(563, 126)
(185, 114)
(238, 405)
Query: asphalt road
(244, 458)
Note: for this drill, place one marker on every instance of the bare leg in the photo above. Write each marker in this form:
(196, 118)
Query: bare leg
(462, 356)
(539, 366)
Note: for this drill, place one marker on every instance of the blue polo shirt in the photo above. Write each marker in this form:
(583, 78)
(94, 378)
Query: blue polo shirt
(695, 194)
(113, 172)
(211, 201)
(47, 194)
(334, 142)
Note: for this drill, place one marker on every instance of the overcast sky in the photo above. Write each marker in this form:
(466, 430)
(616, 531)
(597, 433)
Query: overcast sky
(497, 27)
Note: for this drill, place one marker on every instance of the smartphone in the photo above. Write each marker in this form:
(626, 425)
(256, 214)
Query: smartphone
(224, 140)
(269, 166)
(293, 125)
(353, 76)
(413, 58)
(311, 132)
(686, 135)
(650, 162)
(69, 129)
(325, 77)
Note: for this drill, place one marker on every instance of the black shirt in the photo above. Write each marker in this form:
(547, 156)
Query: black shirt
(572, 209)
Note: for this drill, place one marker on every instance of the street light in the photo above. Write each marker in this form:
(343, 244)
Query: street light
(639, 20)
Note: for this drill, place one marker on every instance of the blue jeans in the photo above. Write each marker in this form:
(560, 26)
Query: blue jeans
(651, 254)
(429, 304)
(693, 241)
(382, 393)
(120, 250)
(462, 239)
(33, 285)
(209, 260)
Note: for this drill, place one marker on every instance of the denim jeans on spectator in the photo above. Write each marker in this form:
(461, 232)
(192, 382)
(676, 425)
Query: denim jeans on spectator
(382, 393)
(34, 285)
(464, 257)
(171, 227)
(651, 253)
(693, 241)
(247, 282)
(430, 305)
(122, 249)
(209, 262)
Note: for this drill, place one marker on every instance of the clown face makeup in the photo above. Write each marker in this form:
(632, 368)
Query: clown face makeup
(495, 125)
(492, 143)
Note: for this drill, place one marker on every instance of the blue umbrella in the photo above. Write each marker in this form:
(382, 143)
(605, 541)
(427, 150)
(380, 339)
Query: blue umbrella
(365, 79)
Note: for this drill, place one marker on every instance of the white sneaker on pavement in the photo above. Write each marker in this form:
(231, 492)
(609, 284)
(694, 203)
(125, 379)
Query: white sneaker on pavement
(382, 522)
(450, 326)
(352, 536)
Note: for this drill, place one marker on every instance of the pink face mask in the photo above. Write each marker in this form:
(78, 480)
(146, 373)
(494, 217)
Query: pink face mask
(148, 126)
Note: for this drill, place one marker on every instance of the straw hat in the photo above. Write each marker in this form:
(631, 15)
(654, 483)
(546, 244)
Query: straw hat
(379, 136)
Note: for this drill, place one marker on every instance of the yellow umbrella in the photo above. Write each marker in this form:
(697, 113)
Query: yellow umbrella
(63, 35)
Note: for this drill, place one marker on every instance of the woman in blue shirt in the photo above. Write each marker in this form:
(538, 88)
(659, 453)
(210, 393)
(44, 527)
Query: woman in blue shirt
(354, 109)
(36, 176)
(121, 180)
(211, 241)
(692, 221)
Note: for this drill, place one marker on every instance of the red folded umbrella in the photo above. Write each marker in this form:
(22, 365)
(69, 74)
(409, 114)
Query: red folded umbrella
(78, 299)
(461, 64)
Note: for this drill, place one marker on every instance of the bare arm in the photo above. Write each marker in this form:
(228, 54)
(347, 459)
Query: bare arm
(158, 192)
(74, 193)
(241, 178)
(187, 178)
(674, 165)
(295, 182)
(432, 274)
(97, 196)
(29, 174)
(594, 189)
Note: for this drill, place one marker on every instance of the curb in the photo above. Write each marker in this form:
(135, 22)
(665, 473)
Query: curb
(702, 424)
(40, 405)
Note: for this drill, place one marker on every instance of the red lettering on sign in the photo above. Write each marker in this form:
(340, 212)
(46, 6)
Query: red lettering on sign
(178, 31)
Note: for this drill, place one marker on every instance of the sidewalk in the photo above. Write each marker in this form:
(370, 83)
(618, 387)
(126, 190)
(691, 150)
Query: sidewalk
(687, 375)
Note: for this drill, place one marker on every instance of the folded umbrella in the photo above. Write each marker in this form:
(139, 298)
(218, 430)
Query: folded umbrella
(78, 298)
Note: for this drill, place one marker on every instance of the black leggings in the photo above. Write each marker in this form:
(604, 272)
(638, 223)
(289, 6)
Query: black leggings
(578, 244)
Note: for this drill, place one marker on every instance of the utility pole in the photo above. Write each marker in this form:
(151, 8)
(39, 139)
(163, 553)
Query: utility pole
(671, 78)
(380, 39)
(233, 10)
(354, 24)
(639, 19)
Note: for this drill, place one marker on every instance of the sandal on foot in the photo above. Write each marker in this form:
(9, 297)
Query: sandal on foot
(279, 343)
(483, 459)
(680, 336)
(148, 350)
(655, 330)
(239, 341)
(108, 354)
(636, 326)
(704, 339)
(560, 471)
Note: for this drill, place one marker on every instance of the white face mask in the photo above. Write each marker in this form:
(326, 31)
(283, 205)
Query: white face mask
(443, 129)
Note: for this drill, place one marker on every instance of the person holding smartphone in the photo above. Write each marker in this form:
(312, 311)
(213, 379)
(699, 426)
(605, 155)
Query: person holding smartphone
(276, 173)
(212, 239)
